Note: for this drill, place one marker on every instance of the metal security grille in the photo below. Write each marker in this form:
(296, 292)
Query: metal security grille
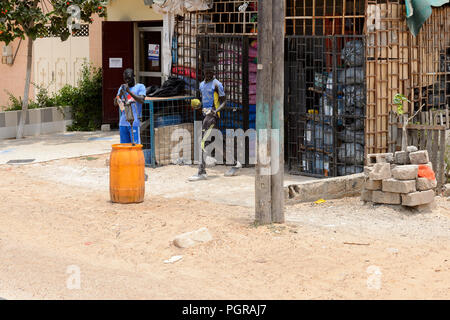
(234, 58)
(324, 17)
(229, 17)
(325, 104)
(184, 51)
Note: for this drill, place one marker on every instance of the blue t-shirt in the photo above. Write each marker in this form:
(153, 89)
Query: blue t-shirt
(139, 90)
(207, 91)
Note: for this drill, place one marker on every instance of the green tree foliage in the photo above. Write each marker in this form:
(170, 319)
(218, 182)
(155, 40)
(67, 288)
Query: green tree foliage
(86, 100)
(398, 101)
(34, 19)
(30, 18)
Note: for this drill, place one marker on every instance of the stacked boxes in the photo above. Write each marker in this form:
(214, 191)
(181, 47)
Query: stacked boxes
(396, 178)
(173, 143)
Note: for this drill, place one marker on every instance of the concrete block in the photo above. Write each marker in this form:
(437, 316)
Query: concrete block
(106, 127)
(332, 188)
(386, 197)
(355, 185)
(11, 118)
(424, 184)
(366, 195)
(35, 116)
(419, 157)
(399, 186)
(190, 239)
(335, 186)
(401, 157)
(47, 115)
(411, 149)
(373, 185)
(57, 114)
(408, 172)
(418, 198)
(67, 113)
(380, 171)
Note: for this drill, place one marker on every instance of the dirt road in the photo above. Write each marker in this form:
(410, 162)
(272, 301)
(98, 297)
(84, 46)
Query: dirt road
(337, 250)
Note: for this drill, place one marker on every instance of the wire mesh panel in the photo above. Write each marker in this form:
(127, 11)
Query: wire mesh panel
(325, 100)
(167, 133)
(229, 17)
(235, 68)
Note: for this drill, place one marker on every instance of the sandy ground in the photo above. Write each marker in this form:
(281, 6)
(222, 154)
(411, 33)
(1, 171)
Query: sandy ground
(57, 214)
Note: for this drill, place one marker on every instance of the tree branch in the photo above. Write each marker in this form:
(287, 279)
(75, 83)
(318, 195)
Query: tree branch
(415, 114)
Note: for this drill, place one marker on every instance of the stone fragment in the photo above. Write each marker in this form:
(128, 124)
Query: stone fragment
(408, 172)
(173, 259)
(380, 171)
(401, 157)
(424, 184)
(446, 192)
(287, 193)
(399, 186)
(190, 239)
(366, 195)
(367, 171)
(419, 157)
(417, 198)
(411, 149)
(429, 207)
(386, 197)
(385, 158)
(380, 158)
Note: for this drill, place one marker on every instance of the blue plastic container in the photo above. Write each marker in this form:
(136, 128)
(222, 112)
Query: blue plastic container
(148, 157)
(165, 121)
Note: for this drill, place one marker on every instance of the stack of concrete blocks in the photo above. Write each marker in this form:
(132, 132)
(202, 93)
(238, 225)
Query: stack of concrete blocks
(393, 179)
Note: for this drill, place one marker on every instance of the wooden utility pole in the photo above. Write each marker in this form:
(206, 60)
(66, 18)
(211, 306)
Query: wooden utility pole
(269, 191)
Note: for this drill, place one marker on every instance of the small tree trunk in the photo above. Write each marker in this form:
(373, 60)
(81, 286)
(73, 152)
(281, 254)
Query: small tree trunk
(21, 126)
(405, 133)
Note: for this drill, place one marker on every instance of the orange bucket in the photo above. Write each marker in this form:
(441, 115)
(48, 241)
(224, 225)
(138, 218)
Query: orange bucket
(127, 173)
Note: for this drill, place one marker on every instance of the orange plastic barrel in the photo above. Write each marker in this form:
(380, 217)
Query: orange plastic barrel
(127, 173)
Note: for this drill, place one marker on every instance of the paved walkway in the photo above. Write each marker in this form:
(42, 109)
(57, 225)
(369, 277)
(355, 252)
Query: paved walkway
(57, 146)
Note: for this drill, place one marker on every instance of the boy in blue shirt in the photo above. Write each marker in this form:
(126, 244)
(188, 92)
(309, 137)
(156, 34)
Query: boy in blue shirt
(135, 94)
(210, 88)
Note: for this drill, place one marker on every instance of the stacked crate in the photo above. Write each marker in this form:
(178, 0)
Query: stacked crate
(174, 143)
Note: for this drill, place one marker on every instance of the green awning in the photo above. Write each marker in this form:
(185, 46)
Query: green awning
(418, 11)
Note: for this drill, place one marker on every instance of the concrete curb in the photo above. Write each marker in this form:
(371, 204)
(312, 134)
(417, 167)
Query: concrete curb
(38, 121)
(327, 189)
